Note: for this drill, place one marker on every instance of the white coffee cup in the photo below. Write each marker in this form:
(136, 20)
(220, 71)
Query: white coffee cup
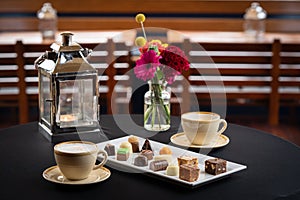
(202, 128)
(76, 159)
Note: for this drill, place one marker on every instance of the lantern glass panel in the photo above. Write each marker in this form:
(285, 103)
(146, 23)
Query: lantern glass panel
(46, 99)
(76, 103)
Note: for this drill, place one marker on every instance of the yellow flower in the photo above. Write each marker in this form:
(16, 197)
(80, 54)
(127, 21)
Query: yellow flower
(140, 18)
(155, 41)
(140, 41)
(158, 43)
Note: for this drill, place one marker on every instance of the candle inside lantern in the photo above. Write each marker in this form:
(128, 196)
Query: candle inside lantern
(68, 118)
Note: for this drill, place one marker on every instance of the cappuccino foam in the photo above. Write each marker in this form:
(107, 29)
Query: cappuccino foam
(75, 148)
(200, 116)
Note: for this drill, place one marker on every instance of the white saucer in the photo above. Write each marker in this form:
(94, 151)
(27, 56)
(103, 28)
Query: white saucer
(53, 174)
(181, 140)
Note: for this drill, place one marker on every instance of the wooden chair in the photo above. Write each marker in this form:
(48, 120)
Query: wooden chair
(222, 75)
(30, 53)
(11, 80)
(286, 77)
(113, 61)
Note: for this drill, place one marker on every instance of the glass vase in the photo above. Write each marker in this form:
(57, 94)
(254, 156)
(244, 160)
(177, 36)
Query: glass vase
(157, 107)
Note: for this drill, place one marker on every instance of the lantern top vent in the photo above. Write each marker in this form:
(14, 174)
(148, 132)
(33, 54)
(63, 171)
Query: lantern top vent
(67, 57)
(67, 43)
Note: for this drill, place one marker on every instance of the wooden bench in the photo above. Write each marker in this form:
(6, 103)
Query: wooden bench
(237, 74)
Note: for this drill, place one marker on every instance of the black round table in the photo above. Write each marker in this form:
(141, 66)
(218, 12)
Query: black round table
(273, 168)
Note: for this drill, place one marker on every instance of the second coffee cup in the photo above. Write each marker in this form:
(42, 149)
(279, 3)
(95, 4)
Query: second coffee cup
(202, 128)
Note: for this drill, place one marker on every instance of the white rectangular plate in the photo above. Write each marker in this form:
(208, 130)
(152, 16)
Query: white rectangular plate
(176, 152)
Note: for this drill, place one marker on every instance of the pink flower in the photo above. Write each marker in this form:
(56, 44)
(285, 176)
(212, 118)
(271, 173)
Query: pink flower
(169, 73)
(146, 66)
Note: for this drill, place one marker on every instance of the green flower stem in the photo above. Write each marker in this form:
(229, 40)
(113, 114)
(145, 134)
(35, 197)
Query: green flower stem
(157, 90)
(147, 113)
(153, 114)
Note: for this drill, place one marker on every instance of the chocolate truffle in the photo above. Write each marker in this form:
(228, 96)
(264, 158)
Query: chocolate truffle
(140, 161)
(134, 141)
(215, 166)
(148, 154)
(158, 165)
(110, 149)
(187, 160)
(146, 145)
(165, 150)
(189, 172)
(122, 154)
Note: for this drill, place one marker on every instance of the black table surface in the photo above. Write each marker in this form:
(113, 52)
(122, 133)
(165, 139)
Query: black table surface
(273, 167)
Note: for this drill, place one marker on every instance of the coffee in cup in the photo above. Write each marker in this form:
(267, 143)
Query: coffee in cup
(76, 159)
(202, 128)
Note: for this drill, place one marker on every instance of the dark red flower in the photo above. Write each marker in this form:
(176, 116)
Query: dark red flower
(175, 58)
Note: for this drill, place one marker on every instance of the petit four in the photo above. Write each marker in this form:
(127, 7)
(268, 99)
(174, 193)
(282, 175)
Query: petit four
(126, 145)
(148, 154)
(140, 161)
(187, 160)
(172, 170)
(122, 154)
(110, 149)
(158, 165)
(165, 150)
(215, 166)
(146, 145)
(134, 141)
(189, 172)
(166, 157)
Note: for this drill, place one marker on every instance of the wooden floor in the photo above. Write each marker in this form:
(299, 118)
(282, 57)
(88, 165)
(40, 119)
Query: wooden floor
(288, 130)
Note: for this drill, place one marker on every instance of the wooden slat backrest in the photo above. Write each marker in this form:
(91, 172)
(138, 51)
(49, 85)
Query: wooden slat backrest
(8, 74)
(289, 74)
(12, 83)
(113, 61)
(231, 73)
(31, 53)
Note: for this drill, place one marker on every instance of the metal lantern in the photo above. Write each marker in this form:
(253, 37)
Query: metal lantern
(68, 90)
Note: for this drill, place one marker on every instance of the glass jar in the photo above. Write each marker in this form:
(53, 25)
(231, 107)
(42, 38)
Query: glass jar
(157, 107)
(254, 21)
(47, 17)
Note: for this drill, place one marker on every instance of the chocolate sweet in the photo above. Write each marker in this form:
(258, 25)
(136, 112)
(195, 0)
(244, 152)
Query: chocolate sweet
(126, 145)
(189, 172)
(165, 150)
(146, 145)
(215, 166)
(140, 161)
(122, 154)
(172, 170)
(148, 154)
(134, 141)
(187, 160)
(166, 157)
(110, 149)
(158, 165)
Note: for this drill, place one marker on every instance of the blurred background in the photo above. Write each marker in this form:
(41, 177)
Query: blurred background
(204, 21)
